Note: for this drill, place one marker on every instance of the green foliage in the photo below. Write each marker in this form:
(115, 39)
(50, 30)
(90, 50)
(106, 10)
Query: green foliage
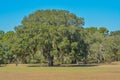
(103, 30)
(57, 36)
(54, 17)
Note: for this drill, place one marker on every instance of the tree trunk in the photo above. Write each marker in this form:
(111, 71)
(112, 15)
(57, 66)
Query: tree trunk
(85, 59)
(16, 62)
(74, 61)
(50, 61)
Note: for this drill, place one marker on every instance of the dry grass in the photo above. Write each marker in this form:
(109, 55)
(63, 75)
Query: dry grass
(102, 72)
(60, 75)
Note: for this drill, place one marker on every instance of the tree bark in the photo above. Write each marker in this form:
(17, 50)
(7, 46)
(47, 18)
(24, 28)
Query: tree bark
(50, 60)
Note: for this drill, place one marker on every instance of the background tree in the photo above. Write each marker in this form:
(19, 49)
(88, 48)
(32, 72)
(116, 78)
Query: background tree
(116, 45)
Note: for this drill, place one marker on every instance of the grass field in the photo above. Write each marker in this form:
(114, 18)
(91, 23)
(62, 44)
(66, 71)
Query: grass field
(106, 72)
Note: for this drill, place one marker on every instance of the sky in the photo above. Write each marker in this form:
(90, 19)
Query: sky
(97, 13)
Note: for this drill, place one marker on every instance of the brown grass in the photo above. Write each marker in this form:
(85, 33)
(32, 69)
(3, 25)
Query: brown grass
(60, 75)
(80, 73)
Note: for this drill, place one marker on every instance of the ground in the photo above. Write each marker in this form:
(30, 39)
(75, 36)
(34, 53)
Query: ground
(102, 72)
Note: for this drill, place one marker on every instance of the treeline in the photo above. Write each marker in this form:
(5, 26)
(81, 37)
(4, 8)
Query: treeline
(57, 37)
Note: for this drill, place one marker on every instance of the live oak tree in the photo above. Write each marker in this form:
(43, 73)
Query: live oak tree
(47, 31)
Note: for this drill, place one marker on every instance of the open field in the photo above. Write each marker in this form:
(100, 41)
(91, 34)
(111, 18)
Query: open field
(102, 72)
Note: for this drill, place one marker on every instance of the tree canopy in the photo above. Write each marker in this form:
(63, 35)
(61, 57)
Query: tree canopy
(58, 37)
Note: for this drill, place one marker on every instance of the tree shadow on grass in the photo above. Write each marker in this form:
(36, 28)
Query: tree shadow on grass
(64, 65)
(1, 65)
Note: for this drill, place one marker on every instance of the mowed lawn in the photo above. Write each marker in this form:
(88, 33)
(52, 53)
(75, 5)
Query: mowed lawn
(60, 73)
